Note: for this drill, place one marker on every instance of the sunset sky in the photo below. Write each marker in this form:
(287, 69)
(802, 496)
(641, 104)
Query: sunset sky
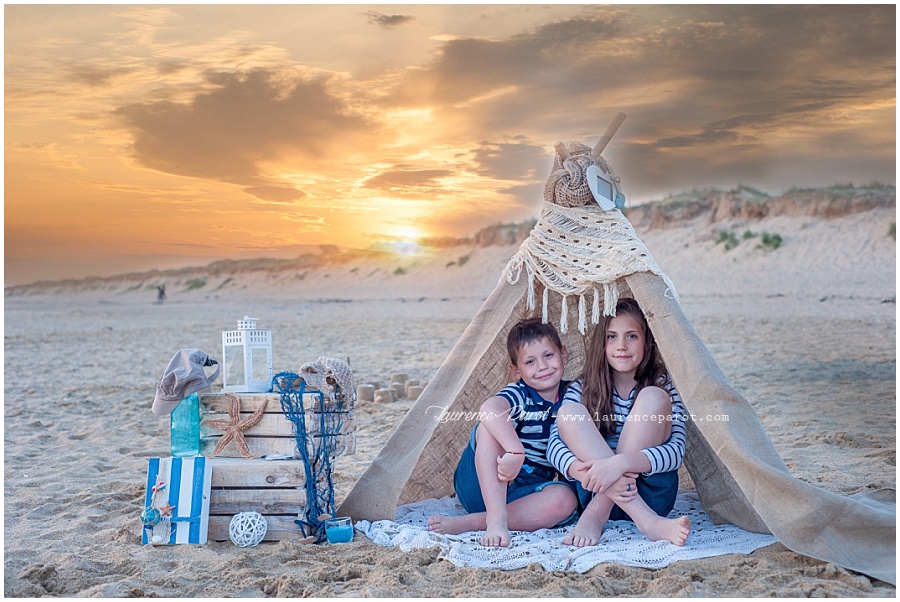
(155, 136)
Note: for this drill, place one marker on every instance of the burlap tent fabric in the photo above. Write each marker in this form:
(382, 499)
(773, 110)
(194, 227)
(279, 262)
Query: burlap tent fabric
(579, 256)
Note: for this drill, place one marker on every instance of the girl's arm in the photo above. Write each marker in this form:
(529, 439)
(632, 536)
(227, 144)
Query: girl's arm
(558, 453)
(669, 455)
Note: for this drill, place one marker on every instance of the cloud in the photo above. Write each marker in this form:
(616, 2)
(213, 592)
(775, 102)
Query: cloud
(510, 160)
(688, 77)
(248, 119)
(527, 195)
(388, 21)
(673, 65)
(311, 223)
(401, 176)
(50, 153)
(95, 76)
(275, 194)
(702, 139)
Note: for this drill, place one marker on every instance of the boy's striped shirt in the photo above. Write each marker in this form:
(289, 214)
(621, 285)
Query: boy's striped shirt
(533, 417)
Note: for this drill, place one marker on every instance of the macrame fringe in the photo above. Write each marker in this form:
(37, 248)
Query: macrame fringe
(582, 314)
(546, 301)
(530, 303)
(576, 250)
(564, 315)
(610, 298)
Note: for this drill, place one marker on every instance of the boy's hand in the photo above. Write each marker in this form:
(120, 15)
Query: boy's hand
(509, 465)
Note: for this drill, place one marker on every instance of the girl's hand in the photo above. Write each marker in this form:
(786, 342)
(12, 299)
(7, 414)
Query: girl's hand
(599, 475)
(509, 465)
(578, 471)
(624, 490)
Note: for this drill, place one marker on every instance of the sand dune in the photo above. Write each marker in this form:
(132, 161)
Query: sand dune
(807, 331)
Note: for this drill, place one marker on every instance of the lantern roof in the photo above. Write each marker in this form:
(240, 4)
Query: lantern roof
(247, 323)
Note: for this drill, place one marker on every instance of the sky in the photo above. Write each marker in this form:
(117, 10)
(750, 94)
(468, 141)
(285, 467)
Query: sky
(140, 137)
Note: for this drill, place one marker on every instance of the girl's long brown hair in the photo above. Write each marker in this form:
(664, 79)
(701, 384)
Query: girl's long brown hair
(597, 391)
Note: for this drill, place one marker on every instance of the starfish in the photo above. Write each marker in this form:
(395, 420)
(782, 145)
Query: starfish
(166, 510)
(233, 427)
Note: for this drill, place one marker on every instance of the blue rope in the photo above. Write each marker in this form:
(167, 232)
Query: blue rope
(317, 452)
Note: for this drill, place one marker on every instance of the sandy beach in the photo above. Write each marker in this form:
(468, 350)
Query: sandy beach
(806, 331)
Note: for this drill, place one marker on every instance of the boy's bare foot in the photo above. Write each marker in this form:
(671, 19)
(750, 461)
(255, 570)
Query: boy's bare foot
(496, 536)
(450, 525)
(586, 532)
(674, 530)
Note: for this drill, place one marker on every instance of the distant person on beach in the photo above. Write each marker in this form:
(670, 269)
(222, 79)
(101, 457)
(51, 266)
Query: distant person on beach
(624, 442)
(160, 293)
(503, 479)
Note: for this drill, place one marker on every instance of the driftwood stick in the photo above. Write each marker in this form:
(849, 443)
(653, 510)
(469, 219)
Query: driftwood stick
(607, 135)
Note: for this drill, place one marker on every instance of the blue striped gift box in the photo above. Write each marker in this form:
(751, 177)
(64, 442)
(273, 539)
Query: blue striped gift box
(187, 485)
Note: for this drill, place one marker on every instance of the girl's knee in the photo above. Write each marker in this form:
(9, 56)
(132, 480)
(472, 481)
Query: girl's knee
(653, 400)
(652, 410)
(571, 410)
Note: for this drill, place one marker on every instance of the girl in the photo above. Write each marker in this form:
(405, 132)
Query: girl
(625, 443)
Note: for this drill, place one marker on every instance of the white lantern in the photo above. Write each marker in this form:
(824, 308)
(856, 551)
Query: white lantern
(247, 353)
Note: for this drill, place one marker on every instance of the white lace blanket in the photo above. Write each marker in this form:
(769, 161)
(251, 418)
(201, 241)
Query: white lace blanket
(622, 543)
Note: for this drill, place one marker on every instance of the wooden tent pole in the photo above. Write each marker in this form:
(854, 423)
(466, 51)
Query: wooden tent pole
(607, 135)
(561, 151)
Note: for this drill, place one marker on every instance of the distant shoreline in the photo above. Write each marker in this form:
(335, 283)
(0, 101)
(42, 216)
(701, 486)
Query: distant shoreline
(697, 208)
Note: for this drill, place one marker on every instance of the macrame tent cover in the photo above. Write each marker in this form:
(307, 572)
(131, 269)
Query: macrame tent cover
(580, 257)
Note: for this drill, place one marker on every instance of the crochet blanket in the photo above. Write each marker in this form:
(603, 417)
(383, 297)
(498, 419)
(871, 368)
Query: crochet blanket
(621, 543)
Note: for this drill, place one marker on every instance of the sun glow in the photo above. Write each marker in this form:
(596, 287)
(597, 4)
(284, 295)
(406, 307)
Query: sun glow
(406, 247)
(407, 242)
(410, 233)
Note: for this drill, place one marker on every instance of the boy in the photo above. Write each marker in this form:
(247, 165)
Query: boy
(503, 479)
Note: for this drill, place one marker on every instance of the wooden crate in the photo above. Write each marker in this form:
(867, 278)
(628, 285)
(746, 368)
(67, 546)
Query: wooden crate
(274, 434)
(274, 488)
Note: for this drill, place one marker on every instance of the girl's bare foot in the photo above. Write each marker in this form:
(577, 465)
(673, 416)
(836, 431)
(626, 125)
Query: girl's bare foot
(674, 530)
(586, 532)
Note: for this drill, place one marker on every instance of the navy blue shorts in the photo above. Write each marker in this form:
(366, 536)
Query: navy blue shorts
(468, 490)
(658, 490)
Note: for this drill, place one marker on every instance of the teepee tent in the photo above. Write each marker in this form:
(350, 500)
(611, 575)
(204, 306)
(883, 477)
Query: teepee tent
(579, 260)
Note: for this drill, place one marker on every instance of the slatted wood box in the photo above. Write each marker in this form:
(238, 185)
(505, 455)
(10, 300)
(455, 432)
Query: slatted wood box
(274, 488)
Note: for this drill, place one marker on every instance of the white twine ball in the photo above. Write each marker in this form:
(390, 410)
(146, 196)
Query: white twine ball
(247, 529)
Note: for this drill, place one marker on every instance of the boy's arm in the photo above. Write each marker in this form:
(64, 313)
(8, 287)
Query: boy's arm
(495, 418)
